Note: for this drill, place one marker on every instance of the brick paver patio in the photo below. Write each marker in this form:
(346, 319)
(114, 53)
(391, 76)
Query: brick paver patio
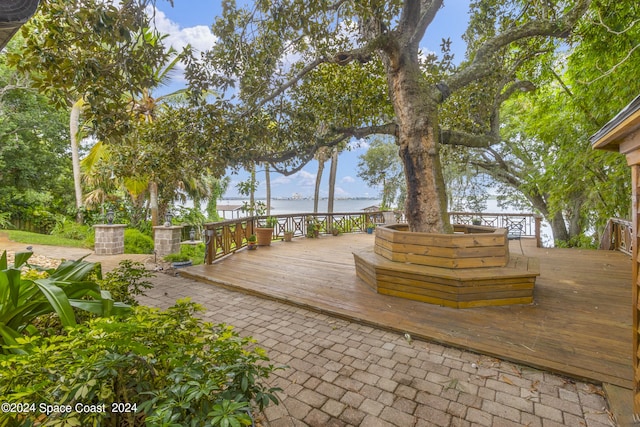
(342, 373)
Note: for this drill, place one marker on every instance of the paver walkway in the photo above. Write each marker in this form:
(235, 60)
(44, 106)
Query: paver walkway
(346, 374)
(342, 373)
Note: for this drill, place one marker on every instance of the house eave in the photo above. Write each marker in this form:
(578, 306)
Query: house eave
(613, 135)
(13, 14)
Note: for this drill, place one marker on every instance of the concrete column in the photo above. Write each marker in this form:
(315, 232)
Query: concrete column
(109, 239)
(167, 239)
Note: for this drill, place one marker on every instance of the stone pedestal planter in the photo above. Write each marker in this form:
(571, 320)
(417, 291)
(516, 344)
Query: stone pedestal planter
(109, 239)
(167, 240)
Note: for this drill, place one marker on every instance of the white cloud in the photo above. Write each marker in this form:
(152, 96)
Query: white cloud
(200, 36)
(299, 179)
(341, 192)
(348, 179)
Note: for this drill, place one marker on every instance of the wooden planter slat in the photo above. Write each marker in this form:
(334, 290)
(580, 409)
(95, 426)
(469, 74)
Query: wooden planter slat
(457, 272)
(490, 248)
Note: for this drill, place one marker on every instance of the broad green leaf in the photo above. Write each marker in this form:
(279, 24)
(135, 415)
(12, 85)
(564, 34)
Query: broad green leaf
(21, 258)
(101, 307)
(73, 271)
(15, 285)
(9, 337)
(58, 300)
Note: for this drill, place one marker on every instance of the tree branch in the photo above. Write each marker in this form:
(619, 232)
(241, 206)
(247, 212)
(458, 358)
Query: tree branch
(482, 63)
(465, 139)
(386, 129)
(429, 9)
(305, 155)
(292, 81)
(362, 55)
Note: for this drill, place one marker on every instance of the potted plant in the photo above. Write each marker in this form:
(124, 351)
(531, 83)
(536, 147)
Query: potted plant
(370, 227)
(265, 234)
(336, 230)
(252, 242)
(313, 227)
(178, 260)
(288, 235)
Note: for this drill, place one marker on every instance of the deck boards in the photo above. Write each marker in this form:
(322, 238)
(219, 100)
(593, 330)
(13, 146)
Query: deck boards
(578, 325)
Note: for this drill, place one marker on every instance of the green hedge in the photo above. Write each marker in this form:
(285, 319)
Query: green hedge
(159, 368)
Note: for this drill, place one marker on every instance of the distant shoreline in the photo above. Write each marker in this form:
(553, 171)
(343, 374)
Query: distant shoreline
(298, 198)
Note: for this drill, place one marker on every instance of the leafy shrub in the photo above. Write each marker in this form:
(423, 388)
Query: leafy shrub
(137, 243)
(23, 299)
(190, 216)
(169, 367)
(69, 229)
(314, 227)
(195, 253)
(126, 281)
(5, 220)
(177, 257)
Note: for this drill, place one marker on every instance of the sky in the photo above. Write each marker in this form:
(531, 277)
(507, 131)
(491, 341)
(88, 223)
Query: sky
(189, 21)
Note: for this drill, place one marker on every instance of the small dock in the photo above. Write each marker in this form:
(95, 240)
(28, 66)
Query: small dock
(579, 324)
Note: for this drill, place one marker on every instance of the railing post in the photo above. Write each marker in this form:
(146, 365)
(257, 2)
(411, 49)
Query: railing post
(538, 220)
(209, 234)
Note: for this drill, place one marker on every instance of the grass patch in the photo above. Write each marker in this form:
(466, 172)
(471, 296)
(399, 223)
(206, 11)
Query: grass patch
(43, 239)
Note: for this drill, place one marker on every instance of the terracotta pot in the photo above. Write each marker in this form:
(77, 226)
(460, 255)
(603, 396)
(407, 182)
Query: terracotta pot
(264, 236)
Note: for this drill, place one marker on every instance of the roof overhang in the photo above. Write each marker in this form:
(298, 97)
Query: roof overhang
(622, 133)
(13, 14)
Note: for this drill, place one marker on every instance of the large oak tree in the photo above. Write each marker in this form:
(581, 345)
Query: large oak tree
(272, 47)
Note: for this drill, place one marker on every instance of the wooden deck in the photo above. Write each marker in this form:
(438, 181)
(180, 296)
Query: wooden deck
(579, 324)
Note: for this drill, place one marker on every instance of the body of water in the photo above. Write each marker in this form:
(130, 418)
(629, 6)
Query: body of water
(293, 206)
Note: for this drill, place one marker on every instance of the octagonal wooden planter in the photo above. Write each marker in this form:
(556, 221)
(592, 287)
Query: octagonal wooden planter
(469, 246)
(469, 268)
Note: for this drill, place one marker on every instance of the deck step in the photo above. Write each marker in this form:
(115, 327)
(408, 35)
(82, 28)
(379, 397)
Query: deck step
(458, 288)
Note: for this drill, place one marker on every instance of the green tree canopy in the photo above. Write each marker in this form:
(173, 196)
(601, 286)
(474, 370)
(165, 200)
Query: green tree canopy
(95, 50)
(34, 164)
(273, 51)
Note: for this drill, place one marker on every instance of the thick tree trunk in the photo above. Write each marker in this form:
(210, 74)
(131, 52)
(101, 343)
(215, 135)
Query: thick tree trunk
(417, 115)
(426, 207)
(559, 228)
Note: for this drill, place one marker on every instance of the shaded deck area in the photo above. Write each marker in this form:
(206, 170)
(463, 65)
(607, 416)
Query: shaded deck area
(579, 324)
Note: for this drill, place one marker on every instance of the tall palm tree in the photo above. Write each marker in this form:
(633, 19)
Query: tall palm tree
(145, 109)
(267, 180)
(332, 179)
(322, 155)
(74, 134)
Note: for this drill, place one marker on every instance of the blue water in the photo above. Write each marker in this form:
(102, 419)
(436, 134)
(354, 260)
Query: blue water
(291, 206)
(288, 206)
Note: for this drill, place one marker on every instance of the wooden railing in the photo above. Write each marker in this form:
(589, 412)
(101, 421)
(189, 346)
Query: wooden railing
(617, 236)
(525, 224)
(226, 237)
